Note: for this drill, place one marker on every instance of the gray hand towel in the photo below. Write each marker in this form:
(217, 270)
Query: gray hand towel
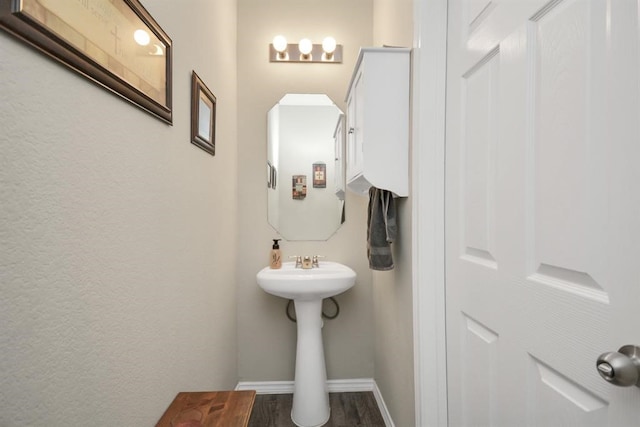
(381, 229)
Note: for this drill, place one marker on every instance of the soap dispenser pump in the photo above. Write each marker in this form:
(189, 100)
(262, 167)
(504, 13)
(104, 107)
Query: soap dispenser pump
(276, 259)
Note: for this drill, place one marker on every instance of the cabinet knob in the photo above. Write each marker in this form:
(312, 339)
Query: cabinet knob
(351, 130)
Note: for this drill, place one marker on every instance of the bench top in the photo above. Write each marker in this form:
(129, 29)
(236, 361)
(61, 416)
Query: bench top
(209, 409)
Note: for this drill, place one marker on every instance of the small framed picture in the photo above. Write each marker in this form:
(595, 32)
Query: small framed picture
(319, 175)
(203, 115)
(299, 187)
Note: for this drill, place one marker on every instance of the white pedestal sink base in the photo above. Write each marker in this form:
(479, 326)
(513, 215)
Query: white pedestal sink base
(310, 395)
(307, 288)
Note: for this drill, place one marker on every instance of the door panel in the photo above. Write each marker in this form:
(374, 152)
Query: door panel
(543, 217)
(479, 360)
(478, 166)
(556, 400)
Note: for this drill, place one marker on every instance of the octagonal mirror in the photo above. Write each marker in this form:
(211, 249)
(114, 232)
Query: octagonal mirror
(305, 167)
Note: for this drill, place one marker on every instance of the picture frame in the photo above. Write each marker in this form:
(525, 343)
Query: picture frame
(203, 115)
(298, 187)
(114, 43)
(319, 175)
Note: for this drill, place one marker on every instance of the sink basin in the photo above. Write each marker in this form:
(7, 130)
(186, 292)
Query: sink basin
(307, 289)
(330, 279)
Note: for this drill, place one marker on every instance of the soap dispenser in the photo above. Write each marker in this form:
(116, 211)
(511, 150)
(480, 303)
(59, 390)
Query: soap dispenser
(276, 259)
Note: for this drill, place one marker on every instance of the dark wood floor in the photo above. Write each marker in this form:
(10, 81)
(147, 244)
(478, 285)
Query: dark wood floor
(347, 410)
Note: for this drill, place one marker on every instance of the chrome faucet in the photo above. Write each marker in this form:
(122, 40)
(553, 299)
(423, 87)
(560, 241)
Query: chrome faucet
(315, 262)
(307, 262)
(298, 260)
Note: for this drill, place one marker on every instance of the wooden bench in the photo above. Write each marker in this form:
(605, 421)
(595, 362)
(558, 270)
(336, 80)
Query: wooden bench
(209, 409)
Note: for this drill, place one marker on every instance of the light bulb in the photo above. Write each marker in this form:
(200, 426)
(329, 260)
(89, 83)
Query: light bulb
(280, 44)
(329, 45)
(305, 46)
(141, 37)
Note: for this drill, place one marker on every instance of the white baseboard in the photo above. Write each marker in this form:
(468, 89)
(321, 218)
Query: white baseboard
(266, 387)
(386, 416)
(335, 386)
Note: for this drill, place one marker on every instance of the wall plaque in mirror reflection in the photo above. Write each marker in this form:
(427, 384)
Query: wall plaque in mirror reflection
(319, 175)
(301, 140)
(299, 184)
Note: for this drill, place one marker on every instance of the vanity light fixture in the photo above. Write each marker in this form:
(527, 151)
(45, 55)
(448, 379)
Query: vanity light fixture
(328, 47)
(279, 44)
(305, 51)
(305, 47)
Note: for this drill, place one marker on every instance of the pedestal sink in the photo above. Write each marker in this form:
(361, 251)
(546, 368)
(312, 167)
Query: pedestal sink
(307, 288)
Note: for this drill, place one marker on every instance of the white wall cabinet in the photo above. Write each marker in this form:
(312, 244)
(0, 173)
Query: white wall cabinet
(339, 171)
(378, 121)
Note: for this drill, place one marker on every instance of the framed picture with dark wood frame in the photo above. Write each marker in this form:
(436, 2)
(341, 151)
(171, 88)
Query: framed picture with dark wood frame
(203, 115)
(114, 43)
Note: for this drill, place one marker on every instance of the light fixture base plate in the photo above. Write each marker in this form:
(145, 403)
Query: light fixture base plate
(317, 55)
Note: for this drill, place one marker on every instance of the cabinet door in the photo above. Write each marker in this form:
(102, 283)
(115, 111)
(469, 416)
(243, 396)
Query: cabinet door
(355, 118)
(339, 157)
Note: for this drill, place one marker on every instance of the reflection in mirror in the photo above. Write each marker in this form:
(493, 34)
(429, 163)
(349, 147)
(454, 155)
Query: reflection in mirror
(305, 178)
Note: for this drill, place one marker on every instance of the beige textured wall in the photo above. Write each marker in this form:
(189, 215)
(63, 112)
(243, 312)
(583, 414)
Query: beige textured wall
(117, 235)
(393, 23)
(392, 293)
(266, 337)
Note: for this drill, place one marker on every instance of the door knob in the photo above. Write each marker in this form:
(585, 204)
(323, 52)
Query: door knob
(622, 367)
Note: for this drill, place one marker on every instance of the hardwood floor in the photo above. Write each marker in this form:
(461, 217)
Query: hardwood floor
(347, 410)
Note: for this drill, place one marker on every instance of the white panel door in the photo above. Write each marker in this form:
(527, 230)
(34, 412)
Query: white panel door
(542, 210)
